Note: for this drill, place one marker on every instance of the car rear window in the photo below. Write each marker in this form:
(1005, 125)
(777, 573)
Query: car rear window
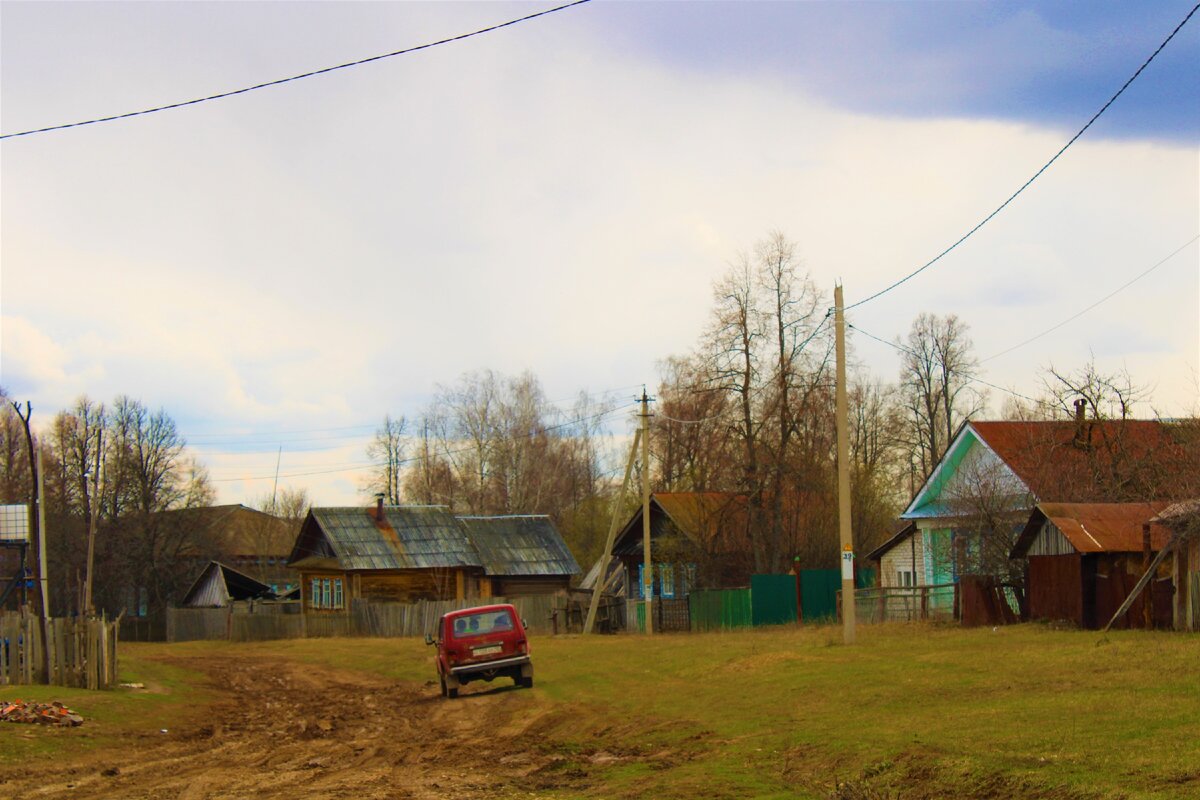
(482, 623)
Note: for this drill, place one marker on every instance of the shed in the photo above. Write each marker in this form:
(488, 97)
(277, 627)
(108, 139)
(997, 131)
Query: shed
(1085, 558)
(220, 585)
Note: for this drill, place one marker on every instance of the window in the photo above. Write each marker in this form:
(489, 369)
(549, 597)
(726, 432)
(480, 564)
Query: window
(666, 580)
(905, 577)
(327, 593)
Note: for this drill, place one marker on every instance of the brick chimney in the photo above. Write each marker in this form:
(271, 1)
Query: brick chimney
(379, 507)
(1081, 426)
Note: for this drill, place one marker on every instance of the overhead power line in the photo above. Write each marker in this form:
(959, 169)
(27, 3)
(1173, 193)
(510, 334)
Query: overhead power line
(457, 451)
(347, 65)
(1036, 175)
(969, 377)
(1106, 297)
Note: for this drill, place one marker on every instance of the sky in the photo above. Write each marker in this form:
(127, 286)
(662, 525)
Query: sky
(281, 268)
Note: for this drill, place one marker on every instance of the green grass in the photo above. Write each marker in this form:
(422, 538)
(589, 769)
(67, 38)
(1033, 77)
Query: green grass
(172, 695)
(923, 711)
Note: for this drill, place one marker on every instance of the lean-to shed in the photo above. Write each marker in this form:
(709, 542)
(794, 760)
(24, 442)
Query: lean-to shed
(219, 585)
(1085, 558)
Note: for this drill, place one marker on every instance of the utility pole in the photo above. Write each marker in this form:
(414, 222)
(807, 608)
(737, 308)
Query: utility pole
(843, 464)
(647, 564)
(93, 512)
(43, 581)
(606, 557)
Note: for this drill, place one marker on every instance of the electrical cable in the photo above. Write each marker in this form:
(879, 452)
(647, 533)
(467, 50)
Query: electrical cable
(970, 378)
(301, 76)
(356, 468)
(1111, 294)
(1036, 175)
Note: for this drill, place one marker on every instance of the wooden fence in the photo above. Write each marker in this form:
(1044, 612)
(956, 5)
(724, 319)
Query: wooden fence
(82, 652)
(242, 623)
(904, 603)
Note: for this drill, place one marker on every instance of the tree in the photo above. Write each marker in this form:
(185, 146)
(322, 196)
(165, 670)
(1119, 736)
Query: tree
(1109, 395)
(386, 449)
(935, 385)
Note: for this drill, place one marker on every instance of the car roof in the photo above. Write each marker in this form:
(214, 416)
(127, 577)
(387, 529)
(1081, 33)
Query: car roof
(462, 612)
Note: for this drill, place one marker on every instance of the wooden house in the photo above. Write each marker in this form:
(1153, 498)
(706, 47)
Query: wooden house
(696, 538)
(220, 586)
(521, 555)
(1007, 467)
(1183, 520)
(1085, 558)
(410, 553)
(252, 542)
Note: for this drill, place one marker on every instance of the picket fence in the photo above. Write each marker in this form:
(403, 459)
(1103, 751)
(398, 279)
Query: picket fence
(82, 652)
(363, 618)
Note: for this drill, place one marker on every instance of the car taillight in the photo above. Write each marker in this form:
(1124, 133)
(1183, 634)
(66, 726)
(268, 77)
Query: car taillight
(522, 646)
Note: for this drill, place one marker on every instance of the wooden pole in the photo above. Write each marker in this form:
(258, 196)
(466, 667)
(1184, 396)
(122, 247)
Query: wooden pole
(42, 570)
(1148, 603)
(93, 512)
(648, 565)
(843, 465)
(606, 557)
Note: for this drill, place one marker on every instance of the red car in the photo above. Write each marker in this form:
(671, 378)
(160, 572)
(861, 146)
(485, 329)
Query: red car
(481, 644)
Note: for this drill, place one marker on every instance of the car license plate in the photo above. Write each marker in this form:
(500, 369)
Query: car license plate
(487, 651)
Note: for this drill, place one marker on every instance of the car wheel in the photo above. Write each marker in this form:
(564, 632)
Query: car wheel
(452, 693)
(443, 682)
(526, 683)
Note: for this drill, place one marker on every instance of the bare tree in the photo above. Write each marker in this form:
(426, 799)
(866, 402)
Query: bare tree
(935, 385)
(1109, 395)
(387, 450)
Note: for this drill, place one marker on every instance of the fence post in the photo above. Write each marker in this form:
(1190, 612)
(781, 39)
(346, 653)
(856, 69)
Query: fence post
(924, 602)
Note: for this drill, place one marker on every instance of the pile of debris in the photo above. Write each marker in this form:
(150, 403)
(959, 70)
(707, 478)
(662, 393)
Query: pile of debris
(43, 713)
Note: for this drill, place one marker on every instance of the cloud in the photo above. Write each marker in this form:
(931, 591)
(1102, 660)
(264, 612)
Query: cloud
(313, 257)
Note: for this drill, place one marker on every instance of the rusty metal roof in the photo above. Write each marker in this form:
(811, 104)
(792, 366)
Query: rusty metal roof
(1096, 527)
(520, 545)
(408, 537)
(1068, 461)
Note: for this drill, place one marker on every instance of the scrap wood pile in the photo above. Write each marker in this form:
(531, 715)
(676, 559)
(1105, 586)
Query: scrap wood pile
(44, 713)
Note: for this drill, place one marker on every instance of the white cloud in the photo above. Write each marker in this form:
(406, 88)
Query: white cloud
(313, 256)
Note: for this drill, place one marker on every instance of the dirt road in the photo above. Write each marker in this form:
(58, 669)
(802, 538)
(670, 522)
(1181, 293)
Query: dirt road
(279, 729)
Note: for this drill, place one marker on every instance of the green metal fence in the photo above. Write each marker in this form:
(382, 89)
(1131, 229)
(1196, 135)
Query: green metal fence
(773, 599)
(715, 609)
(818, 594)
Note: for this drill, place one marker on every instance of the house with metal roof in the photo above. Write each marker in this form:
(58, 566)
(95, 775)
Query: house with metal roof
(1002, 469)
(1086, 558)
(408, 553)
(1183, 520)
(521, 555)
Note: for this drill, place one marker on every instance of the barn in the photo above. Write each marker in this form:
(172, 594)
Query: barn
(1085, 558)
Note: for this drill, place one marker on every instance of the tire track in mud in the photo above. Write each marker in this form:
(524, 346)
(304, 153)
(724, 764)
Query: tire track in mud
(280, 729)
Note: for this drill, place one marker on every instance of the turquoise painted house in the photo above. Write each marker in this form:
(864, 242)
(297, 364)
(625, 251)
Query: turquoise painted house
(1003, 469)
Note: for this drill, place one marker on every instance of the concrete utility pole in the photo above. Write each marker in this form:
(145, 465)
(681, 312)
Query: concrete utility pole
(648, 565)
(41, 510)
(843, 464)
(606, 557)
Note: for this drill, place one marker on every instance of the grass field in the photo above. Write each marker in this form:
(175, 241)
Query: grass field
(910, 711)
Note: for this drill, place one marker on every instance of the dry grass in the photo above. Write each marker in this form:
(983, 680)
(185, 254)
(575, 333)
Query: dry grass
(908, 712)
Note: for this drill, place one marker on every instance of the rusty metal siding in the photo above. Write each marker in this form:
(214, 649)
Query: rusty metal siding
(1055, 588)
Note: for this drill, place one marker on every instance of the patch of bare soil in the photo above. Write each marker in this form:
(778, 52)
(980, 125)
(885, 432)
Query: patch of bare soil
(285, 730)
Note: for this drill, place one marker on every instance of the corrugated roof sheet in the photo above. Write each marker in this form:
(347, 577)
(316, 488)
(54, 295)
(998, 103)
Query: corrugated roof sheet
(1097, 527)
(409, 537)
(1045, 456)
(520, 545)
